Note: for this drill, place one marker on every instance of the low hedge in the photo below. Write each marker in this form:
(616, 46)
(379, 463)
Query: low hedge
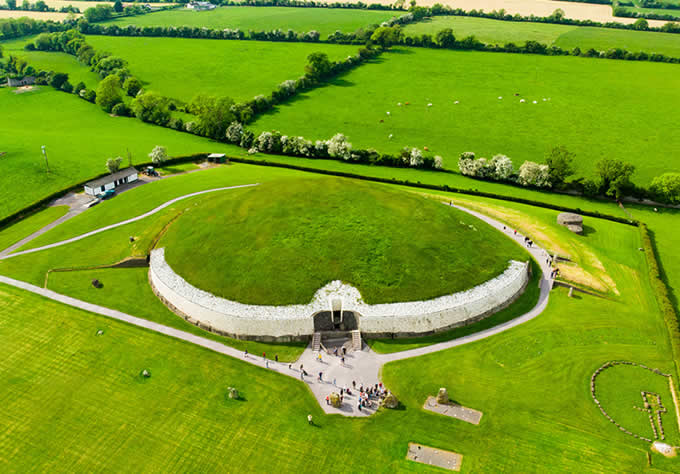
(661, 290)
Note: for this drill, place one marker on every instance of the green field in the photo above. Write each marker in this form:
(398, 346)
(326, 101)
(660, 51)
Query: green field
(11, 235)
(565, 36)
(183, 68)
(657, 11)
(592, 109)
(51, 61)
(301, 20)
(618, 389)
(513, 378)
(384, 242)
(79, 138)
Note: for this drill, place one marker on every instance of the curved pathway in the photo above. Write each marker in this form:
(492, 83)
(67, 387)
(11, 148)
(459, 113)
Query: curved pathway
(362, 367)
(122, 223)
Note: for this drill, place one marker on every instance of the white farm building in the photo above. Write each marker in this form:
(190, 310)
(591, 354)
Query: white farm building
(112, 181)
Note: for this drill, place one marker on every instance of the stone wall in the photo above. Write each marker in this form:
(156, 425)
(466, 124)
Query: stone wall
(295, 322)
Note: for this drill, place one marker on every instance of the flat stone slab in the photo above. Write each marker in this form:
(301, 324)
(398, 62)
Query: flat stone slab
(434, 457)
(454, 411)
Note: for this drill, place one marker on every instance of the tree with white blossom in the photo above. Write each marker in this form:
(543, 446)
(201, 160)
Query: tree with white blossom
(158, 155)
(533, 174)
(339, 147)
(503, 168)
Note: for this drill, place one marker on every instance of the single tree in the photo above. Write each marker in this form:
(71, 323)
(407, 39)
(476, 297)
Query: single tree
(614, 177)
(158, 155)
(560, 160)
(386, 36)
(318, 65)
(132, 85)
(113, 164)
(108, 93)
(446, 39)
(118, 6)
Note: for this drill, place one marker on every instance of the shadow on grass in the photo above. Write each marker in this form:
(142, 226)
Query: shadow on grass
(587, 230)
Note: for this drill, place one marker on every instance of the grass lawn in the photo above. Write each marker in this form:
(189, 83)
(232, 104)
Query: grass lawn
(618, 389)
(658, 11)
(145, 198)
(51, 61)
(13, 234)
(301, 20)
(128, 290)
(79, 138)
(178, 168)
(182, 68)
(565, 36)
(592, 109)
(58, 380)
(391, 245)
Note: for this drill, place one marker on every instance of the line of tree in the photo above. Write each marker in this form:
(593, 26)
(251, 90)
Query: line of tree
(627, 13)
(612, 177)
(389, 33)
(398, 5)
(17, 27)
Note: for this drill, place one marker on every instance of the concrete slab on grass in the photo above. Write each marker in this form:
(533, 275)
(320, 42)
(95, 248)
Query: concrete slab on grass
(454, 411)
(434, 457)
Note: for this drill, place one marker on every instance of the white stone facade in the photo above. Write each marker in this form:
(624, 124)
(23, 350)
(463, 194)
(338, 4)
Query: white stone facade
(296, 321)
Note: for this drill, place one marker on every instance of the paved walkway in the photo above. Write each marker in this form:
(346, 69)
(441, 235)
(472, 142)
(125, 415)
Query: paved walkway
(76, 203)
(362, 367)
(122, 223)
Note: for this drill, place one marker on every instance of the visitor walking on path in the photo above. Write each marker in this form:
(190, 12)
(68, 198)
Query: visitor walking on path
(320, 376)
(245, 354)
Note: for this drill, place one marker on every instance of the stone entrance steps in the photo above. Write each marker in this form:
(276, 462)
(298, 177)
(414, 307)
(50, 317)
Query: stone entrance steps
(316, 342)
(356, 340)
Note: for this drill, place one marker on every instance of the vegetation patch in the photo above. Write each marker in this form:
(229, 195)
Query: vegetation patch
(637, 399)
(278, 243)
(467, 114)
(183, 68)
(323, 20)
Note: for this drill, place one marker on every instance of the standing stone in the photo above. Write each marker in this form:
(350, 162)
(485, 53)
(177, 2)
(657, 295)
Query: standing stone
(571, 291)
(146, 373)
(443, 396)
(571, 221)
(390, 401)
(335, 400)
(233, 393)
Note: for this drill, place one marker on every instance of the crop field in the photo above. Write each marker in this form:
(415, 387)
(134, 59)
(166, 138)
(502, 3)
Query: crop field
(83, 5)
(182, 68)
(55, 16)
(301, 20)
(73, 155)
(592, 111)
(528, 429)
(565, 36)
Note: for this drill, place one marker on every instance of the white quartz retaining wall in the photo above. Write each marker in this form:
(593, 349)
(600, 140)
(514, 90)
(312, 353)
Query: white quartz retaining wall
(296, 321)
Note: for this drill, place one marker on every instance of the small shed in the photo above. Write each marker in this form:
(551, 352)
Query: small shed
(217, 158)
(24, 81)
(112, 181)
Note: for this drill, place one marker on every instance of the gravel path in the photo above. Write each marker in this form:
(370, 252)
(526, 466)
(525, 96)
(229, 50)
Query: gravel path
(363, 366)
(121, 223)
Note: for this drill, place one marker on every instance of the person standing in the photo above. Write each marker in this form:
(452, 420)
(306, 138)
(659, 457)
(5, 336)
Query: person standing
(320, 376)
(310, 420)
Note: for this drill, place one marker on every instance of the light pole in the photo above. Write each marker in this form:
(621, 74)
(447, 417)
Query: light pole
(44, 152)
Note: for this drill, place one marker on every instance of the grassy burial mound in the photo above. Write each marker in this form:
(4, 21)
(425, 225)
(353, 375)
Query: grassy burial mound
(590, 106)
(183, 68)
(565, 36)
(280, 242)
(323, 20)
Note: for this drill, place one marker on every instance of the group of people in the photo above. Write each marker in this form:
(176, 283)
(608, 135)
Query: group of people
(367, 396)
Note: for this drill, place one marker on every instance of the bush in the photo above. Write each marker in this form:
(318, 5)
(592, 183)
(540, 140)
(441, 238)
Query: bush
(88, 94)
(121, 110)
(533, 174)
(158, 155)
(666, 188)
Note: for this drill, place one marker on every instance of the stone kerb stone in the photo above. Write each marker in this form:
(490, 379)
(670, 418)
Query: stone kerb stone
(295, 321)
